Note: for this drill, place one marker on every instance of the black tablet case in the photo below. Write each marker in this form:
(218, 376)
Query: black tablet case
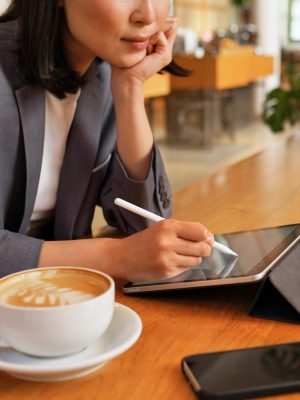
(279, 294)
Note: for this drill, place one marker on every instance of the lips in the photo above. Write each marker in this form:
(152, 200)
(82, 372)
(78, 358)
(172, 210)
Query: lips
(137, 42)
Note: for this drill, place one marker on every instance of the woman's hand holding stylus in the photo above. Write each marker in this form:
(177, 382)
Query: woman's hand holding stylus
(165, 249)
(161, 251)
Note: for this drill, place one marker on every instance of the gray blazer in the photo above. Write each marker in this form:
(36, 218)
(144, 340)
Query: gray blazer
(91, 174)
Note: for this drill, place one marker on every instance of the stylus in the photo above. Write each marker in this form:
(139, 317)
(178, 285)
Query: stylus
(156, 218)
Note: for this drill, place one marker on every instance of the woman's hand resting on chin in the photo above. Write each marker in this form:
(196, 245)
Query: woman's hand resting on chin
(158, 55)
(134, 135)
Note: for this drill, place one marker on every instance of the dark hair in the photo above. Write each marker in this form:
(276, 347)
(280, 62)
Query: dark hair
(42, 51)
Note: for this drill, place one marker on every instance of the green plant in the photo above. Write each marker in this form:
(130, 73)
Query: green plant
(239, 3)
(283, 104)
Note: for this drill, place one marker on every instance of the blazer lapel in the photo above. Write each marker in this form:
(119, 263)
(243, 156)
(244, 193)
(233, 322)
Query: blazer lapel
(81, 152)
(31, 103)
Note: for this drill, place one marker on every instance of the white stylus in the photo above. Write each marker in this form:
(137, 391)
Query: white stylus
(156, 218)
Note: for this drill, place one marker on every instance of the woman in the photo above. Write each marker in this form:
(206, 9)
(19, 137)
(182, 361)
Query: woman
(74, 134)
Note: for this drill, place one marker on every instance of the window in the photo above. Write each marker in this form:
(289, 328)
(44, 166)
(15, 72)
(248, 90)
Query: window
(294, 21)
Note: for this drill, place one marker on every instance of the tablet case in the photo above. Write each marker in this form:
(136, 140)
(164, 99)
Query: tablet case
(279, 294)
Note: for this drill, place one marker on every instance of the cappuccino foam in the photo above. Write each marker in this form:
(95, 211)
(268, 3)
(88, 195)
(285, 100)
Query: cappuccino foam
(49, 288)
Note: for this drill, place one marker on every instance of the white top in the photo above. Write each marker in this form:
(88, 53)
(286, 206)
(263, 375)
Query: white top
(58, 120)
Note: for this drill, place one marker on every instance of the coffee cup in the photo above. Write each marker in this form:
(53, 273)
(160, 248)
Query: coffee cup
(55, 311)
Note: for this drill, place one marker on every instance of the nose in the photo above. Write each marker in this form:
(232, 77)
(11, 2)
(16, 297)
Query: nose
(144, 13)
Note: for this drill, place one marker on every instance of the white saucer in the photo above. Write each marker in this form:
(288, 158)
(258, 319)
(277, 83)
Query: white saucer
(123, 331)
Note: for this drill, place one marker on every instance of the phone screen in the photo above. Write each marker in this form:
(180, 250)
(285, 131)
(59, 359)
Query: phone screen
(252, 372)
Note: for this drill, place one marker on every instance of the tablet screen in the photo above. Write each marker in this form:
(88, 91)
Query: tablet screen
(256, 250)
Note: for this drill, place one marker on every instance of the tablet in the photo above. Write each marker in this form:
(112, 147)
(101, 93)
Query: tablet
(258, 251)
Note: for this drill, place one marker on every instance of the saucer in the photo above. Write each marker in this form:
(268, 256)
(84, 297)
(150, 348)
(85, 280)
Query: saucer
(123, 331)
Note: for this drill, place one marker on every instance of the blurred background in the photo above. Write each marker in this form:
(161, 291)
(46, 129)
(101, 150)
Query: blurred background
(243, 91)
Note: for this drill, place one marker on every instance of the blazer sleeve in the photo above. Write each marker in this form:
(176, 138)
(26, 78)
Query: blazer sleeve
(153, 194)
(18, 252)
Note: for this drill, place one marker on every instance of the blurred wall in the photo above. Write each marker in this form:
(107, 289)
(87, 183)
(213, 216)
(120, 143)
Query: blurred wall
(203, 15)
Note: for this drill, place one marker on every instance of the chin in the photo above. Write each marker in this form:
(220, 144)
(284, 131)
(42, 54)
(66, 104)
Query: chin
(129, 60)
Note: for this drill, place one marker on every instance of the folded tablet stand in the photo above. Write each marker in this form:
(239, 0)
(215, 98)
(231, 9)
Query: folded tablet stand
(279, 295)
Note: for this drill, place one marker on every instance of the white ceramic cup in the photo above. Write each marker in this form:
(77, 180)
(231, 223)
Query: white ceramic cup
(52, 331)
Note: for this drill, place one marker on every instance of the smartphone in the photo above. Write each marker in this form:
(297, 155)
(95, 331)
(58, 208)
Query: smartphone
(244, 374)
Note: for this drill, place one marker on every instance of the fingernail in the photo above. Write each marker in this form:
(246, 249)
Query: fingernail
(210, 238)
(172, 19)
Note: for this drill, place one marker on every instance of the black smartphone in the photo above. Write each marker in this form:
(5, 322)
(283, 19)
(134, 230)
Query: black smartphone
(244, 374)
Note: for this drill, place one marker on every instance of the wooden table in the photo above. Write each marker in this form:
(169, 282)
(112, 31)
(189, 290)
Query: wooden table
(261, 191)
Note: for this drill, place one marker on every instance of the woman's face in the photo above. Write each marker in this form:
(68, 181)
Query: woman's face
(117, 31)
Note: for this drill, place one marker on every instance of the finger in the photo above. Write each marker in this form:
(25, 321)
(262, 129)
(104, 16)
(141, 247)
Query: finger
(161, 54)
(150, 49)
(186, 262)
(164, 39)
(171, 19)
(192, 231)
(159, 40)
(170, 22)
(170, 29)
(192, 249)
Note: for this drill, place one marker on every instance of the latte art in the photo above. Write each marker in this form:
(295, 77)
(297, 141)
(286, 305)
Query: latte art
(44, 294)
(50, 289)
